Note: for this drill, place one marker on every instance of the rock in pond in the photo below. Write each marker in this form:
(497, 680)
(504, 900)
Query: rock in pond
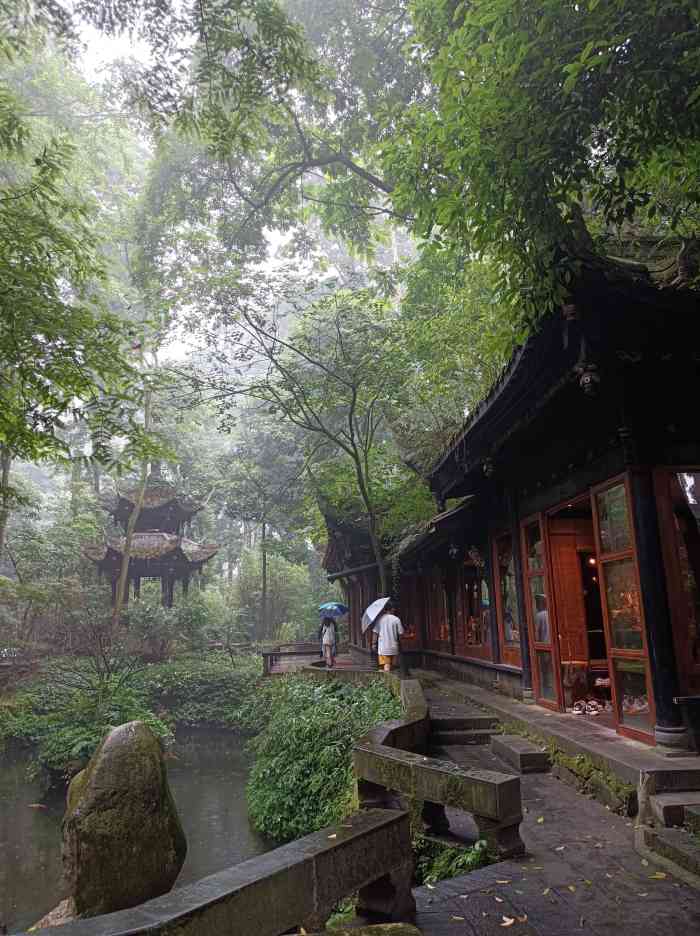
(122, 838)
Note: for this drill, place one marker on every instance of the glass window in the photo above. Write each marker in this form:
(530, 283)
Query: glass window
(614, 521)
(534, 548)
(540, 614)
(623, 602)
(506, 582)
(546, 675)
(632, 698)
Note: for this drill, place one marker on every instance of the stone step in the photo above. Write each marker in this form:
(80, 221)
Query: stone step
(520, 753)
(471, 722)
(461, 737)
(670, 808)
(678, 846)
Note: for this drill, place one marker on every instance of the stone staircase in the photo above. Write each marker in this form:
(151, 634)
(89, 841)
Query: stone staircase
(461, 725)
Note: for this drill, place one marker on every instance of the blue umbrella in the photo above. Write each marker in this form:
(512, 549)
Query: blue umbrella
(333, 609)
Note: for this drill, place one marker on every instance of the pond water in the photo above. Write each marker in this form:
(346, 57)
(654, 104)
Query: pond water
(207, 769)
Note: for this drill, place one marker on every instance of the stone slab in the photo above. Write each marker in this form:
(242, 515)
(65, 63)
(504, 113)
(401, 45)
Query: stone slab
(669, 808)
(487, 793)
(459, 736)
(522, 754)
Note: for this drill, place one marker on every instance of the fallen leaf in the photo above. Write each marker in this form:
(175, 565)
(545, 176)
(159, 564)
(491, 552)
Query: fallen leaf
(546, 891)
(572, 888)
(540, 820)
(335, 835)
(586, 881)
(643, 894)
(598, 845)
(502, 882)
(459, 918)
(560, 848)
(498, 899)
(519, 892)
(37, 806)
(508, 921)
(463, 896)
(430, 886)
(537, 868)
(608, 875)
(658, 875)
(645, 862)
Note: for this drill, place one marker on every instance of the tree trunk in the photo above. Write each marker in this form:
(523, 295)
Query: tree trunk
(74, 487)
(123, 581)
(363, 485)
(5, 465)
(263, 595)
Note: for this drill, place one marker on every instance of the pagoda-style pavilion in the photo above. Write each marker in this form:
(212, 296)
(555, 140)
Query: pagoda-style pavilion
(158, 548)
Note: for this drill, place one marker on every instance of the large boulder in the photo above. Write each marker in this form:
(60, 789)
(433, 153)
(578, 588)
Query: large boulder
(122, 838)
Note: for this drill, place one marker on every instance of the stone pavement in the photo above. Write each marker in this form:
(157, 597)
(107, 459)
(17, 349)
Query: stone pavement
(581, 874)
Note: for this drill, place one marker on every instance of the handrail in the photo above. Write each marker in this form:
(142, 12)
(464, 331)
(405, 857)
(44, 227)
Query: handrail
(297, 884)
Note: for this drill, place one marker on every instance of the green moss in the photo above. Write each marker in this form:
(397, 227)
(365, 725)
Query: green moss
(581, 766)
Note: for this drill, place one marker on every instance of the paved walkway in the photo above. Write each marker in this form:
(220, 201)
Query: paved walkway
(581, 874)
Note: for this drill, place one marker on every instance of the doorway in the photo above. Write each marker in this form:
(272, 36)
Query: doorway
(585, 619)
(580, 630)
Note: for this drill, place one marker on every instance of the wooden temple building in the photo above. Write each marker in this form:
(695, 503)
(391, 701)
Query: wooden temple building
(159, 548)
(563, 563)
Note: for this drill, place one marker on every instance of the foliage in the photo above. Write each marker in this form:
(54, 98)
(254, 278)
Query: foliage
(546, 112)
(436, 861)
(68, 708)
(66, 724)
(302, 776)
(203, 688)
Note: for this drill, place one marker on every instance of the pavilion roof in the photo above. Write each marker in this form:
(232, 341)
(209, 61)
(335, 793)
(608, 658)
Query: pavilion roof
(155, 545)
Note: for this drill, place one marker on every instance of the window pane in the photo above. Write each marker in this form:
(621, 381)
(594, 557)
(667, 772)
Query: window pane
(632, 697)
(614, 519)
(506, 580)
(540, 615)
(624, 609)
(546, 674)
(534, 547)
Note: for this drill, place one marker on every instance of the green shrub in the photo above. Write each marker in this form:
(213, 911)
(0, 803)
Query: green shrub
(437, 862)
(66, 726)
(302, 776)
(202, 689)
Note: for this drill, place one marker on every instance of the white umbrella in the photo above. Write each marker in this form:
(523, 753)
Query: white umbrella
(372, 612)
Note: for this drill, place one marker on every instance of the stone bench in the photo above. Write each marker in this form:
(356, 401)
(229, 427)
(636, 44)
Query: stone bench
(392, 768)
(296, 885)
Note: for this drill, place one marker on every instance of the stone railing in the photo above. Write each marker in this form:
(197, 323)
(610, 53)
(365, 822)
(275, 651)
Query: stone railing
(392, 769)
(296, 885)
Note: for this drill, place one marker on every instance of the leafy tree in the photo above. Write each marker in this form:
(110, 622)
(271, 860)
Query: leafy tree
(552, 119)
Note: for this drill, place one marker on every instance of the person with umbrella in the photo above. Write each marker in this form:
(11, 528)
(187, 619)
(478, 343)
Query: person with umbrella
(329, 612)
(387, 630)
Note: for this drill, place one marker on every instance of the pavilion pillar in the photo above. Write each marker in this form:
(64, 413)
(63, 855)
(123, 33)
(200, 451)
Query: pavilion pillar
(114, 592)
(164, 590)
(137, 586)
(669, 730)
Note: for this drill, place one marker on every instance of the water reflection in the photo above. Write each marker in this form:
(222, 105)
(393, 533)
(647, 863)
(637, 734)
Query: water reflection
(208, 771)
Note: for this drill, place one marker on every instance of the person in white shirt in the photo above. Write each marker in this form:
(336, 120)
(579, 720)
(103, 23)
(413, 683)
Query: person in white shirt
(387, 631)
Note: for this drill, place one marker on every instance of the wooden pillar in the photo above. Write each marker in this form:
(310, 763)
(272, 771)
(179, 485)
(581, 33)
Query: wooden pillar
(114, 592)
(164, 590)
(669, 730)
(185, 585)
(137, 586)
(525, 661)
